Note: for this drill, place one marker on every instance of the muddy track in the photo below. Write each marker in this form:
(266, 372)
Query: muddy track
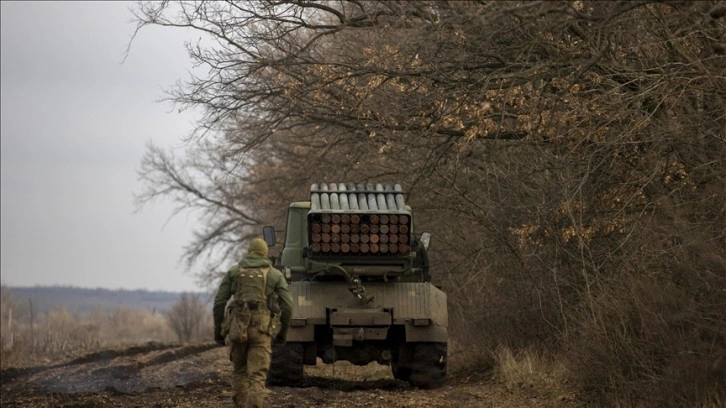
(104, 355)
(197, 375)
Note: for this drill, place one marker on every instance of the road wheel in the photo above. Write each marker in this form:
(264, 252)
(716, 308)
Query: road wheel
(286, 367)
(428, 368)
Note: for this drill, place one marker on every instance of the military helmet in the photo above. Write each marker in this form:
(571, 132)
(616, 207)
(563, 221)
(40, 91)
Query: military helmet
(258, 247)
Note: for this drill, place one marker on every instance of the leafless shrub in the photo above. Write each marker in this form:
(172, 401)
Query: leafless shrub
(643, 345)
(187, 318)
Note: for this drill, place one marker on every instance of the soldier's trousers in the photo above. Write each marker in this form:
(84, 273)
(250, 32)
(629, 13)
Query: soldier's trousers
(251, 363)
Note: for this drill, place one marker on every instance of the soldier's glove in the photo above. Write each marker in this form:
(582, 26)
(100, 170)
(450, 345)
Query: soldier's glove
(219, 338)
(218, 314)
(279, 340)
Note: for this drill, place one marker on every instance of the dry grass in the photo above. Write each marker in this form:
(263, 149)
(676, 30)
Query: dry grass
(30, 337)
(58, 334)
(529, 368)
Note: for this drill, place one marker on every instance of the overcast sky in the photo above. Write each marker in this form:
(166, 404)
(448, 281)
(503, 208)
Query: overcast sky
(75, 122)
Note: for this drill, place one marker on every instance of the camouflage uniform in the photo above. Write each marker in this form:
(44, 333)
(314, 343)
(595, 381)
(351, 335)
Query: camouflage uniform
(250, 340)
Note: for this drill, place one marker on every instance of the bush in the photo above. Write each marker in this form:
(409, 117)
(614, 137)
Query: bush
(644, 342)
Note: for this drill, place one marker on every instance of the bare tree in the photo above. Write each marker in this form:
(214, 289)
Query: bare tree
(186, 317)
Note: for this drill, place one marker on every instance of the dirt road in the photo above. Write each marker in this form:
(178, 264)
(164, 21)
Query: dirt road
(161, 375)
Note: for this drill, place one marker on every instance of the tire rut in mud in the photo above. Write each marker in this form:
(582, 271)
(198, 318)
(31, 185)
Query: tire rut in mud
(9, 375)
(129, 370)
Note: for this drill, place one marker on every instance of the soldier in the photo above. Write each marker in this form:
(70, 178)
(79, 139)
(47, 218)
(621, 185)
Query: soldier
(248, 322)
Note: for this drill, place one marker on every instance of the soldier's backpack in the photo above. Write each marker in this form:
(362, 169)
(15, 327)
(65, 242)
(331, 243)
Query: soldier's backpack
(248, 309)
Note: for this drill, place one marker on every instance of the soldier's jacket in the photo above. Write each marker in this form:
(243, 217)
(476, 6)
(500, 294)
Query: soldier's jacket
(276, 284)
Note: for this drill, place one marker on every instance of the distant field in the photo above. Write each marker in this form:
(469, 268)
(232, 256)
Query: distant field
(40, 324)
(81, 300)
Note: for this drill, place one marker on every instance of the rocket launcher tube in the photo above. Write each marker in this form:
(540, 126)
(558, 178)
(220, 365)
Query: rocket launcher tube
(400, 203)
(381, 202)
(324, 201)
(372, 204)
(353, 201)
(391, 202)
(314, 197)
(362, 202)
(315, 201)
(381, 198)
(343, 198)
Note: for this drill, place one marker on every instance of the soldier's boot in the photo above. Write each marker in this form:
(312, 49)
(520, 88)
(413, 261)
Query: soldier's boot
(256, 402)
(239, 401)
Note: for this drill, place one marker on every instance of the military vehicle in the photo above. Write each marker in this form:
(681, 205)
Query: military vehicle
(360, 281)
